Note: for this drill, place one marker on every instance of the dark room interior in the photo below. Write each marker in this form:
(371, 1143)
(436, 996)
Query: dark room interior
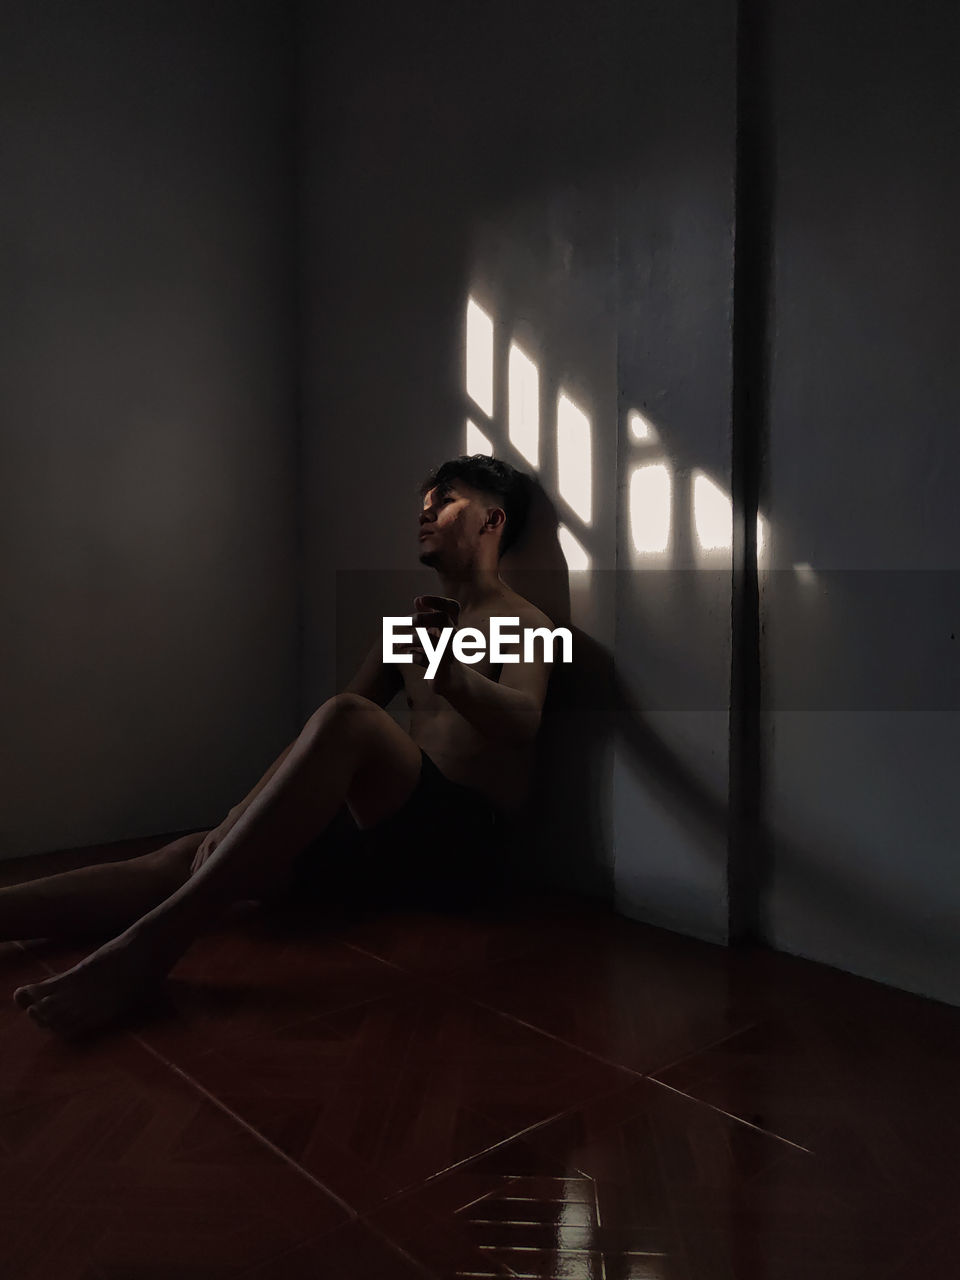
(690, 267)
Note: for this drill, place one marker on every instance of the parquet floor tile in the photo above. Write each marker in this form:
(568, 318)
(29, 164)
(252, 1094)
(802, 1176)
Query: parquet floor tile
(648, 1185)
(35, 1247)
(379, 1096)
(442, 943)
(139, 1176)
(354, 1252)
(863, 1076)
(257, 976)
(254, 973)
(471, 1085)
(37, 1070)
(635, 996)
(936, 1258)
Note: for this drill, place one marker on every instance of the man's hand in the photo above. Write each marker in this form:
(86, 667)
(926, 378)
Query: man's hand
(434, 613)
(215, 838)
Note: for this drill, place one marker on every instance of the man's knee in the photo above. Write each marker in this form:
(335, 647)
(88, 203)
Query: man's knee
(171, 865)
(345, 713)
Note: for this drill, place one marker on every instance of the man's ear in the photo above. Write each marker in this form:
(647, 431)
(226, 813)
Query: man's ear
(496, 518)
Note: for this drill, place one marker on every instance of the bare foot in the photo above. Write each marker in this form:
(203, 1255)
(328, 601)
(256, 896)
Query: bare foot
(94, 992)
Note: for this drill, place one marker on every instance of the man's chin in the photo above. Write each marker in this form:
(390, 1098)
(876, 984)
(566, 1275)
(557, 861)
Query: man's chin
(430, 558)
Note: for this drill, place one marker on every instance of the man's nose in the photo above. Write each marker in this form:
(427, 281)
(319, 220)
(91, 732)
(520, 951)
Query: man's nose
(428, 514)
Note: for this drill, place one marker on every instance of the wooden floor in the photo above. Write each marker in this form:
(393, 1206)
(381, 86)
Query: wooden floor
(550, 1091)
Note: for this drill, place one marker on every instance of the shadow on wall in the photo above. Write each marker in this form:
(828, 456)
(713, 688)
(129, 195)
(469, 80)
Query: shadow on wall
(817, 879)
(566, 834)
(590, 710)
(561, 833)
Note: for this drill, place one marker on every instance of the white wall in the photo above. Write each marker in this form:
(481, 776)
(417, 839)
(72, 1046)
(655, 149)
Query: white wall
(861, 652)
(148, 647)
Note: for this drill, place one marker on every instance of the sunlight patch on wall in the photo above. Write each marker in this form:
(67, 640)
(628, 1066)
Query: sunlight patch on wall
(712, 514)
(640, 428)
(477, 442)
(651, 504)
(575, 555)
(480, 357)
(523, 391)
(761, 534)
(574, 468)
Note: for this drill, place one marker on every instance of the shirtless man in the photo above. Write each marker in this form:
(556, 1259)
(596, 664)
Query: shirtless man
(469, 748)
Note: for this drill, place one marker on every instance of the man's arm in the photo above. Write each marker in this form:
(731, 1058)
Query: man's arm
(508, 711)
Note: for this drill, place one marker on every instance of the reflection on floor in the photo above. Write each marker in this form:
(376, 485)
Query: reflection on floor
(546, 1091)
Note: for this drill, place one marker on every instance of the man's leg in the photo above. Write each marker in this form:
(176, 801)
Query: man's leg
(99, 899)
(350, 751)
(37, 866)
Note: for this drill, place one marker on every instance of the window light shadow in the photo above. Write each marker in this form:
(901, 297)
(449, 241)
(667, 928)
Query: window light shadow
(713, 517)
(574, 553)
(476, 441)
(651, 507)
(640, 428)
(574, 458)
(523, 404)
(712, 514)
(479, 357)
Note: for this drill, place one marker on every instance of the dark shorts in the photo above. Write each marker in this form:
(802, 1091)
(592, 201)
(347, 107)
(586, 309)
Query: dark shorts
(446, 847)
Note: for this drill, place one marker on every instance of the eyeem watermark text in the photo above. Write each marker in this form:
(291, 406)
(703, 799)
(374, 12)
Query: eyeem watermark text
(469, 644)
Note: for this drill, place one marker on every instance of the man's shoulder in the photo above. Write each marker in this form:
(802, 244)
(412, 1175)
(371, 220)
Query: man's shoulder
(516, 606)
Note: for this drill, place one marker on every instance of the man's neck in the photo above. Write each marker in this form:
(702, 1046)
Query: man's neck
(473, 587)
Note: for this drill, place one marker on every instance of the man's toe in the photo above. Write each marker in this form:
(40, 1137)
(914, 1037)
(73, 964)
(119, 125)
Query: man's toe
(25, 996)
(38, 1011)
(51, 1012)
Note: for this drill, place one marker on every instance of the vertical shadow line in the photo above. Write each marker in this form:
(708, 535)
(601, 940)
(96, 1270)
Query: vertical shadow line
(747, 855)
(298, 53)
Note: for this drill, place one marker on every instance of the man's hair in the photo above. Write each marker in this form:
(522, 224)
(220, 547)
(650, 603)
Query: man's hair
(491, 476)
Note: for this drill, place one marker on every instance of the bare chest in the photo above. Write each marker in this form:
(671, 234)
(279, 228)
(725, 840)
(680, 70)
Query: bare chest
(420, 693)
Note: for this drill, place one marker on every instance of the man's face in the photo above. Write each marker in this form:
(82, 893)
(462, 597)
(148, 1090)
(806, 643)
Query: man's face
(450, 524)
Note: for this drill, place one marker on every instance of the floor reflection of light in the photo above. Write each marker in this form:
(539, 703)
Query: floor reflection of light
(575, 555)
(477, 442)
(523, 392)
(651, 501)
(640, 428)
(712, 514)
(574, 469)
(480, 357)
